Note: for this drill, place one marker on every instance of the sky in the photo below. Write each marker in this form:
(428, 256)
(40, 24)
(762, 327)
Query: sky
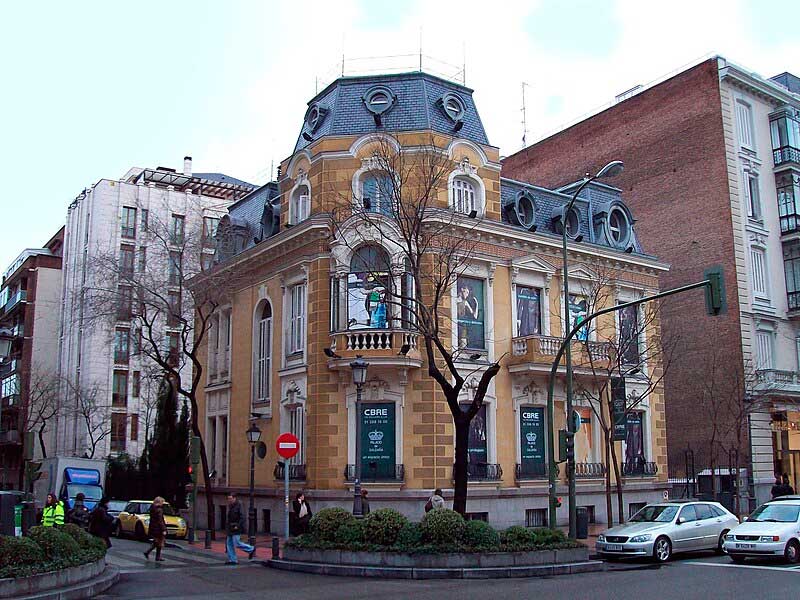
(92, 88)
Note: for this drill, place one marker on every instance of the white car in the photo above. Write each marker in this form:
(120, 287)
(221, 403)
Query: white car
(659, 530)
(773, 530)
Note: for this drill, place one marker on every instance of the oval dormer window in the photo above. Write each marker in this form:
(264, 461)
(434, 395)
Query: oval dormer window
(573, 223)
(313, 117)
(526, 211)
(453, 106)
(618, 227)
(379, 99)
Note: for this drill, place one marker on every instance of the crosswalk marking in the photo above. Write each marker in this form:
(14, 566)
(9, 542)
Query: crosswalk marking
(734, 566)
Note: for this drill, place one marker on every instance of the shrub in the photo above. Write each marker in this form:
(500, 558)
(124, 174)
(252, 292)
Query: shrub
(55, 543)
(78, 534)
(409, 536)
(17, 551)
(547, 536)
(442, 526)
(383, 525)
(326, 522)
(518, 535)
(350, 533)
(479, 534)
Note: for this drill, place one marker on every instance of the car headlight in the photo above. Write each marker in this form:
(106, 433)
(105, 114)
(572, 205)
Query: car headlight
(146, 520)
(729, 537)
(601, 538)
(769, 538)
(641, 538)
(181, 523)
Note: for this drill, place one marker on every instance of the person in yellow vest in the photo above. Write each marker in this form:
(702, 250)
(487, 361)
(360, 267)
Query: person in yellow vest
(53, 513)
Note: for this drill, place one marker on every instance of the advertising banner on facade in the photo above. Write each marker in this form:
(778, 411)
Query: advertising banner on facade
(578, 311)
(377, 440)
(531, 439)
(471, 316)
(618, 408)
(529, 320)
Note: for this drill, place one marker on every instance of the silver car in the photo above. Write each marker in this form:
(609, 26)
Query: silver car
(660, 530)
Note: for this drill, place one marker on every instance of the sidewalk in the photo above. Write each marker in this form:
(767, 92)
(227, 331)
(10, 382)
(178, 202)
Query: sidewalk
(263, 545)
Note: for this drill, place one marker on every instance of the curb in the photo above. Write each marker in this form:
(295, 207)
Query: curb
(86, 589)
(416, 573)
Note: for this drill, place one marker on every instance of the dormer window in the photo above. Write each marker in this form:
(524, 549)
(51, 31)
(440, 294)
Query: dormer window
(573, 222)
(300, 204)
(379, 100)
(452, 106)
(618, 227)
(315, 116)
(464, 196)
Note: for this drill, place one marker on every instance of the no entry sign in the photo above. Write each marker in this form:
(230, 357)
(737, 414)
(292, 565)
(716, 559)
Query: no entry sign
(287, 445)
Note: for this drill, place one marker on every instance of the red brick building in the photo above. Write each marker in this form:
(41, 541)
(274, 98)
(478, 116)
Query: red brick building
(701, 173)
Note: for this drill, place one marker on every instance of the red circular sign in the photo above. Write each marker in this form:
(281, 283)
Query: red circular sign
(287, 445)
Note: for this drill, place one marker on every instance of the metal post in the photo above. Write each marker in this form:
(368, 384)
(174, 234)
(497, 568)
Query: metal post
(357, 508)
(276, 548)
(286, 496)
(251, 525)
(568, 359)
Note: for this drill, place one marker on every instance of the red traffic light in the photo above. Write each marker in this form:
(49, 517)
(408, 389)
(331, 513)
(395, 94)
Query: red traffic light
(189, 470)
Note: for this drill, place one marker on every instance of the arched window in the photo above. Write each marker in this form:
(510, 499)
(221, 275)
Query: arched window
(464, 196)
(299, 204)
(263, 355)
(369, 289)
(377, 193)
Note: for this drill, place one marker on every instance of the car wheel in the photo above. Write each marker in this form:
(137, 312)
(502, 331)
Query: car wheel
(738, 559)
(792, 552)
(140, 535)
(662, 549)
(720, 544)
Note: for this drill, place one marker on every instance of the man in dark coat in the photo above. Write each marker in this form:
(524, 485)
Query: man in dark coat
(79, 514)
(236, 527)
(100, 522)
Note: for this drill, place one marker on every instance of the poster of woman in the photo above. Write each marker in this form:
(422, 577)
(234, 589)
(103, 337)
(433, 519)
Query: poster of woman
(578, 311)
(469, 308)
(528, 311)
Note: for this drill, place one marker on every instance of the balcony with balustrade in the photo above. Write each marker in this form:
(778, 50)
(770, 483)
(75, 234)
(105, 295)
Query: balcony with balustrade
(777, 382)
(386, 347)
(297, 472)
(537, 352)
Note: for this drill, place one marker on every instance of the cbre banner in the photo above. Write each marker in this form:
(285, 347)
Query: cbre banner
(618, 408)
(377, 440)
(531, 430)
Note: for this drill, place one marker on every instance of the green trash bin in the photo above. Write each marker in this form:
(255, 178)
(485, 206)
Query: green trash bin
(18, 520)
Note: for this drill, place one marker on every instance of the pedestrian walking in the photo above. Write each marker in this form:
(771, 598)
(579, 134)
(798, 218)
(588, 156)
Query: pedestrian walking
(302, 513)
(53, 513)
(157, 529)
(79, 514)
(435, 501)
(777, 489)
(100, 522)
(236, 526)
(364, 502)
(787, 487)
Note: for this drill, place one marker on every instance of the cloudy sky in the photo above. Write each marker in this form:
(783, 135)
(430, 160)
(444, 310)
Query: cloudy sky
(93, 88)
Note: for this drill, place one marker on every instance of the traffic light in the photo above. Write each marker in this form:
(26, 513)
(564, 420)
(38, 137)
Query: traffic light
(715, 291)
(194, 450)
(190, 472)
(570, 442)
(566, 445)
(558, 502)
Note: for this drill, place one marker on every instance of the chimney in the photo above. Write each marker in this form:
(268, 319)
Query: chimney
(187, 165)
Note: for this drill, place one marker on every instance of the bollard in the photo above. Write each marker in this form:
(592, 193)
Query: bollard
(208, 540)
(276, 548)
(190, 535)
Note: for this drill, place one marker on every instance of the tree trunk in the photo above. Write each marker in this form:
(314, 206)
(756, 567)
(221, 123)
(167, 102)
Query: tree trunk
(41, 442)
(210, 518)
(617, 475)
(609, 507)
(460, 468)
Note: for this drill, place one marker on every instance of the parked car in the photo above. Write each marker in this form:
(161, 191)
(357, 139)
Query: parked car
(773, 530)
(661, 530)
(135, 520)
(114, 508)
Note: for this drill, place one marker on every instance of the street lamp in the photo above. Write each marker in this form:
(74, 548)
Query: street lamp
(612, 169)
(359, 368)
(253, 437)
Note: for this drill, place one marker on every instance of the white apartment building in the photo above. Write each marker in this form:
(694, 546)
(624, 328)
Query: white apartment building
(158, 222)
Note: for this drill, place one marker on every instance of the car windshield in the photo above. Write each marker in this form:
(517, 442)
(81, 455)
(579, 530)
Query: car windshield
(655, 514)
(117, 505)
(776, 513)
(167, 509)
(92, 492)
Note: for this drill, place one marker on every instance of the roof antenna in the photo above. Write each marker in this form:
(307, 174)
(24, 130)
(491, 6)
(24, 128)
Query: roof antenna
(420, 48)
(524, 121)
(343, 54)
(463, 63)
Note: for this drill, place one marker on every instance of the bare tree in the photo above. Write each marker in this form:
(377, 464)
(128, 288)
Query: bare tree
(44, 404)
(632, 345)
(406, 212)
(92, 411)
(168, 318)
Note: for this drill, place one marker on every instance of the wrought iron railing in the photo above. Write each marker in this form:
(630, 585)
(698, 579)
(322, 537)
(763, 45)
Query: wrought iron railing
(639, 468)
(786, 154)
(296, 472)
(590, 469)
(525, 472)
(375, 471)
(794, 300)
(482, 472)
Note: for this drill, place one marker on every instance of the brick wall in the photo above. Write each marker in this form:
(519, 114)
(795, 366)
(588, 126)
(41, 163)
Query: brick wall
(675, 181)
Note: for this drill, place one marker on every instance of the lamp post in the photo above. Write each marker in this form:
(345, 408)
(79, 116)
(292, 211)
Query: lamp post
(612, 169)
(359, 368)
(253, 437)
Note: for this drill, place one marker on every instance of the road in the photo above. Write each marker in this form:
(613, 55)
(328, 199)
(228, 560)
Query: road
(700, 576)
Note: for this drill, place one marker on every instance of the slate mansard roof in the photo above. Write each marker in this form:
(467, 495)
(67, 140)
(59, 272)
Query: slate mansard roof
(416, 107)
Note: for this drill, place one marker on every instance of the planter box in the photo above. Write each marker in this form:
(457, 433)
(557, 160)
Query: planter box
(437, 561)
(26, 586)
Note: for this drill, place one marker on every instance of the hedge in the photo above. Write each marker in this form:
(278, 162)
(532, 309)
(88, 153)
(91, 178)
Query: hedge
(48, 549)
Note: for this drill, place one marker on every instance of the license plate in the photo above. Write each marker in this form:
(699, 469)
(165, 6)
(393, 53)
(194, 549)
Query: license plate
(745, 546)
(614, 547)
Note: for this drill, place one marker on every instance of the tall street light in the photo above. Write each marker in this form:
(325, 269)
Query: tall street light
(359, 368)
(612, 169)
(253, 437)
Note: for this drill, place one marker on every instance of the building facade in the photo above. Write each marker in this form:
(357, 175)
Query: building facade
(309, 294)
(150, 228)
(30, 299)
(711, 159)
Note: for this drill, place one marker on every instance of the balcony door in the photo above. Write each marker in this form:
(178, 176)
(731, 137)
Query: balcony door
(369, 289)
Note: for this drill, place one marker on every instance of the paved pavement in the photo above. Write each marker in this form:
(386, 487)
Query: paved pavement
(198, 575)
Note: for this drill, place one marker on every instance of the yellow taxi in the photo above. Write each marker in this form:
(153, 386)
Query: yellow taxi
(135, 520)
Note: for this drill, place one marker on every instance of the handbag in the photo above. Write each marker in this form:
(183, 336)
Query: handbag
(428, 505)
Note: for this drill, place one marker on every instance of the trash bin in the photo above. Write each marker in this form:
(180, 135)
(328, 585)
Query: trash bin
(581, 523)
(8, 503)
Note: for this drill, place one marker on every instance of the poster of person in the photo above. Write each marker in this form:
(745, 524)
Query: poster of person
(634, 441)
(578, 311)
(528, 311)
(629, 335)
(583, 439)
(366, 301)
(469, 309)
